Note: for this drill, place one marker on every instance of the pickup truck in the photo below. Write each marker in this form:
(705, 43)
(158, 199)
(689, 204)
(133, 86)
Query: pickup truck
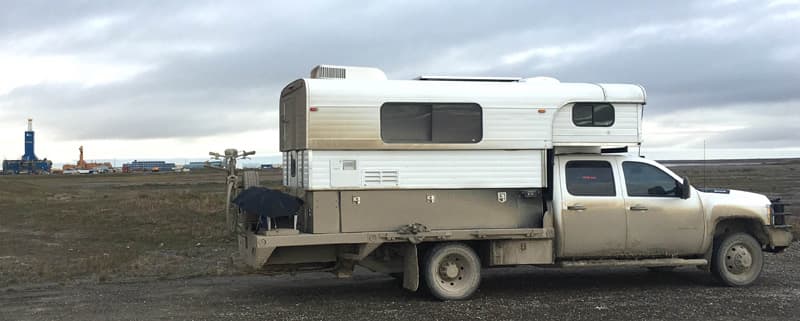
(434, 179)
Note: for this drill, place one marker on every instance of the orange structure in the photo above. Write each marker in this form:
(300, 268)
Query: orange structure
(82, 164)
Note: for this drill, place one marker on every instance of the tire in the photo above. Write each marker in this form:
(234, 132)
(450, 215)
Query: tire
(451, 271)
(737, 259)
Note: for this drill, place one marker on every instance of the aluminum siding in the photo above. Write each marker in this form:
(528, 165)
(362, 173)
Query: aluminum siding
(626, 128)
(438, 169)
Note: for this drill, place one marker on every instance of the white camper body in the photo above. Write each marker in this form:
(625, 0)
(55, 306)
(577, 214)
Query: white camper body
(330, 123)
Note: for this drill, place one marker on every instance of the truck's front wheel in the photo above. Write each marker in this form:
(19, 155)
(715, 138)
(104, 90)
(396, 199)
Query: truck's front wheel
(452, 271)
(737, 259)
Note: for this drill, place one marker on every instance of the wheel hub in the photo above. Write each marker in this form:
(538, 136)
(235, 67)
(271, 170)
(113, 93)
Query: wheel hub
(738, 259)
(449, 271)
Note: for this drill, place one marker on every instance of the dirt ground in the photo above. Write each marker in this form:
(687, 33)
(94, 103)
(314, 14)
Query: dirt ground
(147, 247)
(505, 294)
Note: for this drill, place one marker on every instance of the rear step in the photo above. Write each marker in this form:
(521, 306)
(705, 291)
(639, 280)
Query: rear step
(644, 263)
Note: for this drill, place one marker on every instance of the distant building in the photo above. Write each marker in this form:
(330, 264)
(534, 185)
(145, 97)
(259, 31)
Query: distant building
(198, 165)
(147, 166)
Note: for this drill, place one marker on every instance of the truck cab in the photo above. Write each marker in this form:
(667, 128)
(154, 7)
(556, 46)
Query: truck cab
(623, 207)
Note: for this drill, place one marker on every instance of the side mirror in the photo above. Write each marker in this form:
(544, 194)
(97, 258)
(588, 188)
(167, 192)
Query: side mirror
(686, 188)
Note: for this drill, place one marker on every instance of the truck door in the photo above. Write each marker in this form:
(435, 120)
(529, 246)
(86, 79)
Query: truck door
(592, 213)
(660, 223)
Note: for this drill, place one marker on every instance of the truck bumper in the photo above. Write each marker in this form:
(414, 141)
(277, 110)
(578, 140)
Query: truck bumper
(780, 237)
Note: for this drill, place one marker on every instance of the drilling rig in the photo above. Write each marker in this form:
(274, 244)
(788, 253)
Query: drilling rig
(28, 163)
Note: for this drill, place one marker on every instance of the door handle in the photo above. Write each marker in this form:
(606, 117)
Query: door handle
(576, 207)
(639, 208)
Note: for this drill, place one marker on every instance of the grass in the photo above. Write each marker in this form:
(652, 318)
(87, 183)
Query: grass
(98, 227)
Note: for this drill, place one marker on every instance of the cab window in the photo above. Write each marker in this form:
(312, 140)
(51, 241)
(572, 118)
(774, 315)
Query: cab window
(647, 180)
(590, 178)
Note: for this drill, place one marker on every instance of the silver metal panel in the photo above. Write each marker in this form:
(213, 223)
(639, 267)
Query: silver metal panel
(292, 116)
(512, 252)
(347, 112)
(437, 169)
(625, 130)
(389, 210)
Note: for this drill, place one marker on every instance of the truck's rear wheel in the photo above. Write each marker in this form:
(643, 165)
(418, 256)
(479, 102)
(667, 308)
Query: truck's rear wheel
(452, 271)
(737, 259)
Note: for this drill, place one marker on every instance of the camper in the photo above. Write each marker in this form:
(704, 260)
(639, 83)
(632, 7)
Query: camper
(434, 179)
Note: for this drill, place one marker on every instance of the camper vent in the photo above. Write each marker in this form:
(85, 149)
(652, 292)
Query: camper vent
(347, 72)
(381, 178)
(329, 72)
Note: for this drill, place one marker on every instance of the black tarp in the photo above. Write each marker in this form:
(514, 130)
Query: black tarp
(267, 203)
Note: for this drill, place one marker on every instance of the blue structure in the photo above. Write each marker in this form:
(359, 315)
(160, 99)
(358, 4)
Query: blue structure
(29, 163)
(29, 154)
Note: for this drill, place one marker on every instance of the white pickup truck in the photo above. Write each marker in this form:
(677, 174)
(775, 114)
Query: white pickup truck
(434, 179)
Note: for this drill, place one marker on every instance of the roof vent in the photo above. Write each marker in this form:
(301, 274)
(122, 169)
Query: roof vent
(347, 72)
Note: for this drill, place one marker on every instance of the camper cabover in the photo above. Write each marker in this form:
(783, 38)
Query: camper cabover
(434, 179)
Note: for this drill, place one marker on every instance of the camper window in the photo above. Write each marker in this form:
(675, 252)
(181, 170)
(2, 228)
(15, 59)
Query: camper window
(431, 123)
(593, 114)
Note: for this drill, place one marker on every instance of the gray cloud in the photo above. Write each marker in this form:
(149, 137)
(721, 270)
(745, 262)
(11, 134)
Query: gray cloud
(217, 67)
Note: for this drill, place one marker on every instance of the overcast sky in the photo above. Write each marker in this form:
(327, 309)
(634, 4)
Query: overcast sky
(153, 79)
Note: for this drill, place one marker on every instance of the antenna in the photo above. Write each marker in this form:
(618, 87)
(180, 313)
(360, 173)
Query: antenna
(704, 165)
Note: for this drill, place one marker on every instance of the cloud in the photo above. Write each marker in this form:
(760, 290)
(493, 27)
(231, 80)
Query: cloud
(150, 70)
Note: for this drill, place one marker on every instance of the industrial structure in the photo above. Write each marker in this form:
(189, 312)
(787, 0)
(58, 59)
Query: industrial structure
(82, 165)
(147, 166)
(28, 163)
(200, 165)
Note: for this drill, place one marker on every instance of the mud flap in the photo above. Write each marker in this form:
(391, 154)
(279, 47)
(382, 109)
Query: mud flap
(411, 268)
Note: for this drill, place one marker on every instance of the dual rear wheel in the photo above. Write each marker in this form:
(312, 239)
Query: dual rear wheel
(451, 271)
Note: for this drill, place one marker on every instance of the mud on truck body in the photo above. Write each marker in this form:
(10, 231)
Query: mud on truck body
(434, 179)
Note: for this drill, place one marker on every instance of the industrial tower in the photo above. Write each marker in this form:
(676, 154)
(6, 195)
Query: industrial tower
(28, 163)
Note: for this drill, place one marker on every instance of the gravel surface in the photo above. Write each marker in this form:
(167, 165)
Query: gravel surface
(522, 293)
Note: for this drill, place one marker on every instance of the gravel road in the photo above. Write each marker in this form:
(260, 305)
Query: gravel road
(506, 294)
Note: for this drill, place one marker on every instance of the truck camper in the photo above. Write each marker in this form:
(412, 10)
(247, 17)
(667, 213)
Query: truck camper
(434, 179)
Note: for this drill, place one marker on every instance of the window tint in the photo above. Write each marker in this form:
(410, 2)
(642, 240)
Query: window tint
(406, 123)
(647, 180)
(431, 123)
(590, 178)
(593, 114)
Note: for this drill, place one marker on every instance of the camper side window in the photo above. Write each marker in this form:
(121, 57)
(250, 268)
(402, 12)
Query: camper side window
(593, 114)
(420, 123)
